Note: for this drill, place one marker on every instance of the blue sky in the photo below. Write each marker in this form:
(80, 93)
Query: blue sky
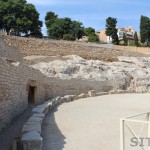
(93, 13)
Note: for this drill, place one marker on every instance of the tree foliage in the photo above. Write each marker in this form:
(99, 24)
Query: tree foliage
(90, 33)
(64, 28)
(67, 29)
(50, 18)
(136, 40)
(19, 16)
(111, 30)
(93, 38)
(68, 37)
(145, 29)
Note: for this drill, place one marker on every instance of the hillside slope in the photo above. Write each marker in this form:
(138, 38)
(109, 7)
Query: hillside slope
(32, 46)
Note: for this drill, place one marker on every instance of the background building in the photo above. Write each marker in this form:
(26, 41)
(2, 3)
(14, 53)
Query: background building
(129, 32)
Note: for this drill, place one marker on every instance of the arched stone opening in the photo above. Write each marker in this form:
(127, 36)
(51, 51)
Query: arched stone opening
(32, 92)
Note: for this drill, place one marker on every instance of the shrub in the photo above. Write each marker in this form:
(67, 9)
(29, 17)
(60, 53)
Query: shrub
(93, 38)
(68, 37)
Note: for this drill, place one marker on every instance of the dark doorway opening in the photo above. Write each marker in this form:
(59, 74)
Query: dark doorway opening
(31, 94)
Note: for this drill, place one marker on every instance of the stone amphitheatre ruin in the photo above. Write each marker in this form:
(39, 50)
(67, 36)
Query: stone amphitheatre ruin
(34, 71)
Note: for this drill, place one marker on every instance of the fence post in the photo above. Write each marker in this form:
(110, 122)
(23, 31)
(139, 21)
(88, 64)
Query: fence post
(122, 136)
(148, 116)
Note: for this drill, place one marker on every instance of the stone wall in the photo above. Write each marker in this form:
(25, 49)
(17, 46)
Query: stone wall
(8, 51)
(14, 79)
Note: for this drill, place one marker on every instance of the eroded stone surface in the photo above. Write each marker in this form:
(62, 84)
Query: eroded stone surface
(36, 119)
(32, 127)
(44, 108)
(127, 72)
(91, 93)
(32, 141)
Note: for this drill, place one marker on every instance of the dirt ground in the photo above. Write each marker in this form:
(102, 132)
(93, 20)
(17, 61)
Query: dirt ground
(92, 123)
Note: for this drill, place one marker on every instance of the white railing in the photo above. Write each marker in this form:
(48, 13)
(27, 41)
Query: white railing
(124, 123)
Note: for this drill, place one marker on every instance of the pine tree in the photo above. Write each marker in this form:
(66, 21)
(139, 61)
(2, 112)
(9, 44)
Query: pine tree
(136, 40)
(111, 29)
(145, 29)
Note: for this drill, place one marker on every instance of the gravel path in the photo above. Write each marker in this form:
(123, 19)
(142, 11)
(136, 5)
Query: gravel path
(91, 123)
(13, 130)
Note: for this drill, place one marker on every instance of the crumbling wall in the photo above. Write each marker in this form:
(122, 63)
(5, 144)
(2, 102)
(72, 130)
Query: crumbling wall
(9, 51)
(15, 78)
(13, 89)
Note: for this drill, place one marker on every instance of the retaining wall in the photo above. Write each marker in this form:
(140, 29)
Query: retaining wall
(16, 77)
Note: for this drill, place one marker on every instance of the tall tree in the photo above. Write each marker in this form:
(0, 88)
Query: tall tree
(90, 33)
(65, 28)
(145, 29)
(136, 40)
(19, 16)
(125, 40)
(77, 29)
(111, 30)
(50, 18)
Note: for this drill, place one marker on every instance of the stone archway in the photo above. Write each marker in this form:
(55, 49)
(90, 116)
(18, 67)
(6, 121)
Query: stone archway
(32, 92)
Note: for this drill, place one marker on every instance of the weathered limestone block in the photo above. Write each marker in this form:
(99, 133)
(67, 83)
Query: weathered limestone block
(113, 92)
(38, 110)
(58, 100)
(91, 93)
(102, 93)
(75, 97)
(83, 95)
(39, 115)
(32, 141)
(54, 102)
(64, 99)
(44, 108)
(68, 98)
(32, 127)
(35, 119)
(49, 104)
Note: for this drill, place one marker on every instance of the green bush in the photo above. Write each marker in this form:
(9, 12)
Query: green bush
(68, 37)
(93, 38)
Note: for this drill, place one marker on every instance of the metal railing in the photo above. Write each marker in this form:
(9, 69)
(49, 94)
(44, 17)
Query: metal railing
(124, 123)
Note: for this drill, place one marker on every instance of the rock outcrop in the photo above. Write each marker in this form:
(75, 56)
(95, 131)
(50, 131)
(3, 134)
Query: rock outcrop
(135, 72)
